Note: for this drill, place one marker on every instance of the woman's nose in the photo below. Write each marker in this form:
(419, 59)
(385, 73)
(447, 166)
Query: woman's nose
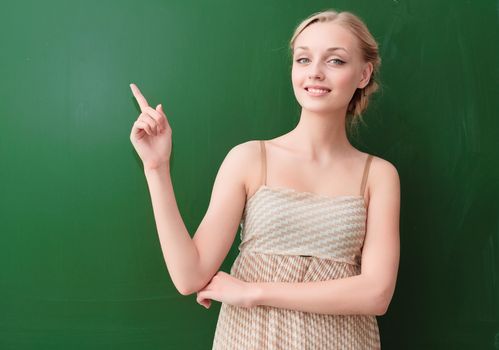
(316, 71)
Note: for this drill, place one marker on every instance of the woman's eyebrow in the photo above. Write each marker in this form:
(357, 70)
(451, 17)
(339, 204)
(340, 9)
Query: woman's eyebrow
(328, 49)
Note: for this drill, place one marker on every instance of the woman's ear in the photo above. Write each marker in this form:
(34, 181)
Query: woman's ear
(366, 75)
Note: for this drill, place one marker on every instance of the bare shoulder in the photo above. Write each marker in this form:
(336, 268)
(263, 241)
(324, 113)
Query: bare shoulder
(382, 168)
(245, 158)
(245, 153)
(246, 149)
(383, 177)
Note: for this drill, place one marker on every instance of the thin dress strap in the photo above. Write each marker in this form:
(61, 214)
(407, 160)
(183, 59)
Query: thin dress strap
(366, 172)
(264, 162)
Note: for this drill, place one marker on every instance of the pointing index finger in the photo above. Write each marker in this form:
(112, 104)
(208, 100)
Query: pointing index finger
(139, 97)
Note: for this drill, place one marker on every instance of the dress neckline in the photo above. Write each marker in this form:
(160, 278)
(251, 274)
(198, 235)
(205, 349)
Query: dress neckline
(290, 190)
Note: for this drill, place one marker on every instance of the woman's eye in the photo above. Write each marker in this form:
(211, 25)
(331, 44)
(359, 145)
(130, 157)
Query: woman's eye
(340, 62)
(337, 60)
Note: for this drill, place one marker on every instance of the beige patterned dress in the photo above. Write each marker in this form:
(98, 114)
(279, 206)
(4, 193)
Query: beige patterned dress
(293, 236)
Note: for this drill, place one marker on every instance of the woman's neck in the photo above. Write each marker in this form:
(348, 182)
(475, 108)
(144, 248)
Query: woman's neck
(323, 137)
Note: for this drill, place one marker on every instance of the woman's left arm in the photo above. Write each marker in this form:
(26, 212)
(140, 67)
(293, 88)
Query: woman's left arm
(368, 293)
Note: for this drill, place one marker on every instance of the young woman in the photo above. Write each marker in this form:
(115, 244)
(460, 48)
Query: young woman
(319, 248)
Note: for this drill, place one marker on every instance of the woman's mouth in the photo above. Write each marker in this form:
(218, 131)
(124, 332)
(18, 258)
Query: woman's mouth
(317, 92)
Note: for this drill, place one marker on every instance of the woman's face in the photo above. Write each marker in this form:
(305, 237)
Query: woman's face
(339, 71)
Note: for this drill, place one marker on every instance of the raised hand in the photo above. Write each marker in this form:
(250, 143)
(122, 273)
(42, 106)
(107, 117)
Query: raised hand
(151, 134)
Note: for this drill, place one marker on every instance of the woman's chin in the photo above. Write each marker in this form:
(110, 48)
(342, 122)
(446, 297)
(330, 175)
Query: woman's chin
(317, 109)
(321, 107)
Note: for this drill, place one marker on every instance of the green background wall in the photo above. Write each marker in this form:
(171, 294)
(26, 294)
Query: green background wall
(80, 262)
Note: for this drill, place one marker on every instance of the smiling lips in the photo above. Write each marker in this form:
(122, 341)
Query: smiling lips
(317, 90)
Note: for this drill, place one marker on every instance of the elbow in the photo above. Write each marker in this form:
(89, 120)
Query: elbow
(188, 289)
(381, 301)
(184, 291)
(188, 284)
(184, 288)
(380, 309)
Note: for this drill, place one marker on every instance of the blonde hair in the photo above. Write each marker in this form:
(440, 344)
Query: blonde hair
(368, 49)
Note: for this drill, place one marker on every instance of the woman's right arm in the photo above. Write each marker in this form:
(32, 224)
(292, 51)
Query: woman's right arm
(191, 262)
(179, 252)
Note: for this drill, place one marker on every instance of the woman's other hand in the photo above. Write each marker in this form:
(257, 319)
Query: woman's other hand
(225, 288)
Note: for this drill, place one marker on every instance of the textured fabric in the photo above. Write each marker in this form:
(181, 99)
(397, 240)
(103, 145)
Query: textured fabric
(293, 236)
(284, 221)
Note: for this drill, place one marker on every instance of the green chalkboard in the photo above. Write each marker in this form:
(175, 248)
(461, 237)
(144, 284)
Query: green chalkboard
(80, 262)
